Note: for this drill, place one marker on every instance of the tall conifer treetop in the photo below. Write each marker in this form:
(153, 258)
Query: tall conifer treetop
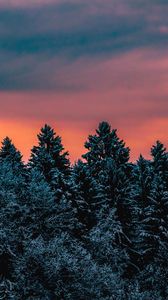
(106, 144)
(158, 149)
(97, 230)
(9, 151)
(160, 157)
(48, 155)
(10, 155)
(160, 161)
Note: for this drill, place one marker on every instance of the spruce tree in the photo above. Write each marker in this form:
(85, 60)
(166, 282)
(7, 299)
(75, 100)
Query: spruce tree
(11, 160)
(107, 158)
(143, 179)
(48, 214)
(87, 197)
(63, 268)
(49, 156)
(105, 144)
(154, 240)
(160, 161)
(13, 216)
(155, 221)
(10, 154)
(105, 245)
(96, 230)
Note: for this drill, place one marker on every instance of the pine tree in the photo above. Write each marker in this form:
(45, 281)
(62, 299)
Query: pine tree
(143, 177)
(155, 221)
(154, 240)
(160, 161)
(63, 269)
(87, 197)
(141, 190)
(105, 144)
(48, 213)
(13, 215)
(107, 160)
(105, 245)
(10, 154)
(96, 230)
(117, 192)
(49, 156)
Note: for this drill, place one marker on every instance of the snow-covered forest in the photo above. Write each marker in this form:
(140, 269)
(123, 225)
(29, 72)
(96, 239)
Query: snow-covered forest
(94, 230)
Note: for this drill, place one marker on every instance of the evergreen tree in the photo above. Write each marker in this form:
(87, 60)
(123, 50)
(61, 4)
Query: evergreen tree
(10, 154)
(87, 197)
(154, 240)
(160, 161)
(63, 269)
(107, 158)
(143, 181)
(49, 156)
(155, 222)
(13, 215)
(105, 245)
(105, 144)
(115, 184)
(97, 230)
(11, 161)
(118, 194)
(48, 214)
(141, 190)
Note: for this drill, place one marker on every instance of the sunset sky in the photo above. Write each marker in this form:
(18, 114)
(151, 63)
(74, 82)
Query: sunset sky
(75, 63)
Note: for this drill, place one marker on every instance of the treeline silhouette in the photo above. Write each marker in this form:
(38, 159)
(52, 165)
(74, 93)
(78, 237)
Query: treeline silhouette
(94, 230)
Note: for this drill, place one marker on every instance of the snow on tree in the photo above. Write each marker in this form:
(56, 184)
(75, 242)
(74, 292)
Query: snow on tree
(154, 223)
(49, 156)
(87, 197)
(10, 154)
(49, 214)
(63, 269)
(96, 230)
(105, 245)
(105, 144)
(160, 161)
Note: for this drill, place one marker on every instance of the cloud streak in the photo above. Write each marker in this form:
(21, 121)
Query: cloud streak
(129, 90)
(74, 63)
(63, 32)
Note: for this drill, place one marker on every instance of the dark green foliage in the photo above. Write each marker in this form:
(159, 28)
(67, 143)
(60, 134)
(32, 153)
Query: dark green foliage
(96, 230)
(154, 224)
(87, 197)
(48, 157)
(9, 151)
(9, 154)
(105, 144)
(48, 213)
(64, 269)
(160, 161)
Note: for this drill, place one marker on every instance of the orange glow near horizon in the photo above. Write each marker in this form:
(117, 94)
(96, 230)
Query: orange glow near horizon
(107, 61)
(24, 136)
(130, 91)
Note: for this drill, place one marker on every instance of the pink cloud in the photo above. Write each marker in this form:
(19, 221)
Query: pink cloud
(163, 29)
(130, 91)
(24, 3)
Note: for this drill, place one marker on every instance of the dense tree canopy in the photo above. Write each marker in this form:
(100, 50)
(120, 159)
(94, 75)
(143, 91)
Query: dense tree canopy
(97, 229)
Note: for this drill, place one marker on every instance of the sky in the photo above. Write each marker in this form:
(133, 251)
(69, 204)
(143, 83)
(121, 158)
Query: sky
(75, 63)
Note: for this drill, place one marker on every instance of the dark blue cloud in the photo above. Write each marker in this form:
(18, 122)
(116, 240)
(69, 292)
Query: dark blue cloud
(32, 38)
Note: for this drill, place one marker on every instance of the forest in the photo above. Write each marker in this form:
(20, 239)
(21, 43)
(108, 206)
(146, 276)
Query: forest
(94, 230)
